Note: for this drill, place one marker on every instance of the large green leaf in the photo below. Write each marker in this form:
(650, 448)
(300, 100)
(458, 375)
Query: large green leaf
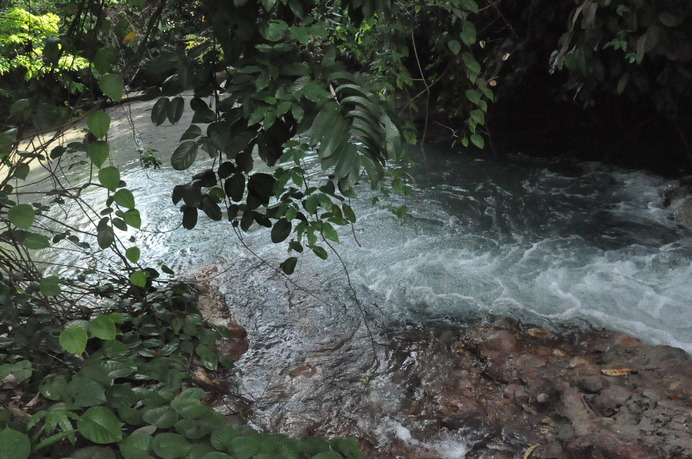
(136, 446)
(35, 241)
(112, 86)
(98, 152)
(133, 218)
(170, 445)
(99, 123)
(103, 327)
(133, 254)
(159, 112)
(100, 425)
(21, 215)
(73, 339)
(175, 109)
(184, 155)
(105, 235)
(110, 177)
(50, 286)
(244, 447)
(83, 392)
(163, 417)
(15, 445)
(124, 198)
(281, 230)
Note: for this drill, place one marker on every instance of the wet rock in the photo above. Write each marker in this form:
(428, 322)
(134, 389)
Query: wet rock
(500, 341)
(591, 384)
(469, 414)
(610, 400)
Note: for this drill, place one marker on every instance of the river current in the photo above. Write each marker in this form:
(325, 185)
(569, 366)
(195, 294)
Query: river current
(550, 242)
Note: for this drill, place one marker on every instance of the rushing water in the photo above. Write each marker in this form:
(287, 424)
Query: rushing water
(547, 242)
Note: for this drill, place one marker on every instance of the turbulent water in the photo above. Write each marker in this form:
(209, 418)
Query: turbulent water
(549, 242)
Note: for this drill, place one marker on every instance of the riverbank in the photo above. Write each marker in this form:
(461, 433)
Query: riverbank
(505, 390)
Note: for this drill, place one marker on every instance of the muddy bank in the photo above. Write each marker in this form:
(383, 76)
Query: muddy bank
(501, 390)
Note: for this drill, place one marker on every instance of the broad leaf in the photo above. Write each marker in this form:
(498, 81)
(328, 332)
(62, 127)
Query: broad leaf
(73, 339)
(184, 155)
(289, 265)
(133, 254)
(170, 445)
(15, 445)
(50, 286)
(104, 234)
(98, 152)
(21, 215)
(124, 198)
(136, 446)
(109, 177)
(159, 112)
(175, 109)
(99, 123)
(112, 86)
(133, 218)
(139, 278)
(103, 327)
(281, 230)
(100, 425)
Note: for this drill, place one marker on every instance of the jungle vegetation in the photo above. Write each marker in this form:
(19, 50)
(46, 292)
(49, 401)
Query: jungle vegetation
(99, 362)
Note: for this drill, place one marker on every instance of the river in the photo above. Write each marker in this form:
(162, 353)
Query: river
(550, 242)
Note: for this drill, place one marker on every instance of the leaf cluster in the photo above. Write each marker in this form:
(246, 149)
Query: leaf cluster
(121, 383)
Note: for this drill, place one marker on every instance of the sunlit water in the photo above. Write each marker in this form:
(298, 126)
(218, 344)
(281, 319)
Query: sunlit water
(542, 241)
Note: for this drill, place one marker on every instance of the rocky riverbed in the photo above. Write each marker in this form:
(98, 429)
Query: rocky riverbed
(512, 390)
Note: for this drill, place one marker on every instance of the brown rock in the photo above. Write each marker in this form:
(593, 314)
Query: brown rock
(500, 341)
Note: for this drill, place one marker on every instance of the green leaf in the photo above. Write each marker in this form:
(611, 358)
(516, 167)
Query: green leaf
(320, 252)
(104, 234)
(98, 152)
(124, 198)
(35, 241)
(184, 155)
(189, 216)
(99, 123)
(132, 254)
(234, 186)
(136, 446)
(73, 339)
(103, 327)
(15, 445)
(348, 213)
(100, 425)
(207, 356)
(471, 63)
(281, 230)
(216, 455)
(192, 132)
(83, 392)
(110, 177)
(21, 215)
(211, 208)
(329, 232)
(170, 445)
(289, 265)
(163, 417)
(139, 278)
(159, 112)
(19, 106)
(112, 86)
(50, 286)
(190, 408)
(468, 33)
(132, 218)
(478, 140)
(327, 455)
(473, 96)
(175, 109)
(21, 171)
(103, 59)
(454, 46)
(244, 447)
